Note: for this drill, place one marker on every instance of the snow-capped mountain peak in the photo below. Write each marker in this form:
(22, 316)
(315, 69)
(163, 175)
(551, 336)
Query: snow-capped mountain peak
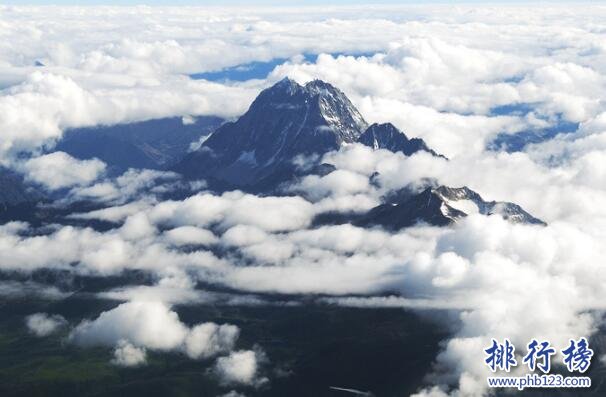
(286, 121)
(439, 205)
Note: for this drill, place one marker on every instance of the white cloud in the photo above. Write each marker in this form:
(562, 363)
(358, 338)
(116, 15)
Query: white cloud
(42, 324)
(134, 326)
(243, 235)
(18, 289)
(115, 213)
(45, 104)
(60, 170)
(172, 290)
(127, 355)
(137, 226)
(169, 294)
(134, 184)
(186, 235)
(232, 393)
(240, 367)
(337, 183)
(206, 340)
(235, 208)
(149, 324)
(434, 391)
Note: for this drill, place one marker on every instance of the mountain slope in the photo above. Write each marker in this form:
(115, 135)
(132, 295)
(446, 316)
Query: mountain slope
(425, 207)
(285, 122)
(387, 136)
(439, 206)
(154, 144)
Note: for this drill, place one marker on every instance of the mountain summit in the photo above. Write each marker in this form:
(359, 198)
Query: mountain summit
(387, 136)
(286, 123)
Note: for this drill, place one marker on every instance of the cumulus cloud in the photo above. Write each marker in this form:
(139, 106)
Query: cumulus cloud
(133, 184)
(137, 226)
(240, 367)
(232, 393)
(127, 355)
(149, 324)
(43, 324)
(337, 183)
(60, 170)
(138, 325)
(96, 252)
(206, 340)
(190, 235)
(236, 208)
(243, 235)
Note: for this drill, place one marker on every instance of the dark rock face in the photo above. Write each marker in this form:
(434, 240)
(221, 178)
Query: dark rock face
(153, 144)
(13, 190)
(439, 206)
(285, 122)
(425, 207)
(18, 201)
(387, 136)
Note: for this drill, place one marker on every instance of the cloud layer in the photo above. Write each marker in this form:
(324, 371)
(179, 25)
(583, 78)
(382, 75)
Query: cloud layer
(455, 76)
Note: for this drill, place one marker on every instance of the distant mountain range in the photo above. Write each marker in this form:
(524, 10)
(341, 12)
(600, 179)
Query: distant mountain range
(427, 202)
(281, 138)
